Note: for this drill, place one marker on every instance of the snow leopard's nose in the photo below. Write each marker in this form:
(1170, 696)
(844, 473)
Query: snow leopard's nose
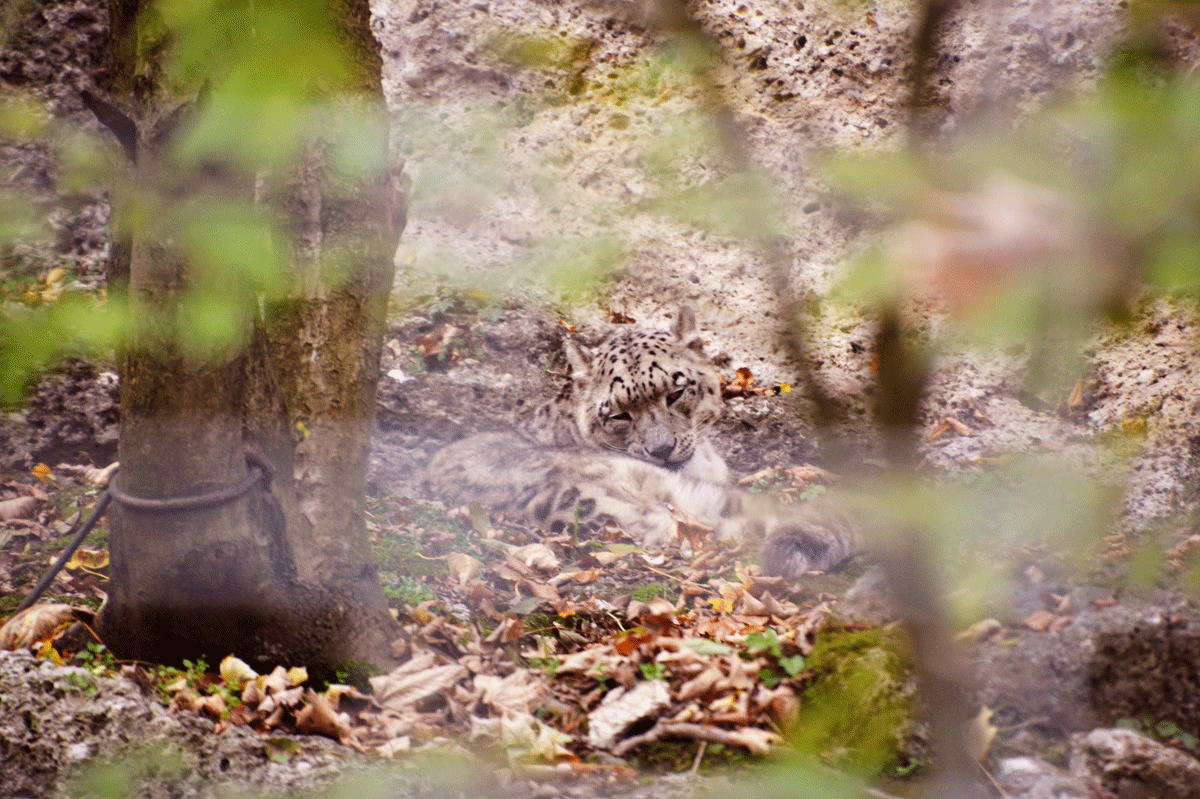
(660, 443)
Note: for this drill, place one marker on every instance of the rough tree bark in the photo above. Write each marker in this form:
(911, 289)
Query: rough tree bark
(280, 574)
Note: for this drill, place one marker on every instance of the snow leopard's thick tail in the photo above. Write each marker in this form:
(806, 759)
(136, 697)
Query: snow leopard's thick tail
(814, 537)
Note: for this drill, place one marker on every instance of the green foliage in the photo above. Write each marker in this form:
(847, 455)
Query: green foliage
(273, 76)
(1166, 731)
(801, 777)
(96, 658)
(193, 674)
(653, 671)
(767, 642)
(644, 593)
(81, 681)
(549, 665)
(403, 591)
(33, 338)
(706, 646)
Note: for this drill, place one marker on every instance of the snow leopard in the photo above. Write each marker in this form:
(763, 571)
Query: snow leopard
(627, 440)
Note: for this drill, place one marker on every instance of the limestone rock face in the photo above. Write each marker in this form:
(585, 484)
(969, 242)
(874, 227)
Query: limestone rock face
(1133, 766)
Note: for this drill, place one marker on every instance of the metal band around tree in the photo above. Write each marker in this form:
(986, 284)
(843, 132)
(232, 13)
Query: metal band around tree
(259, 468)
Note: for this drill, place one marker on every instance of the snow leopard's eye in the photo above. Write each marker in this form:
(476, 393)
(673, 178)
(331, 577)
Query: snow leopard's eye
(619, 417)
(675, 396)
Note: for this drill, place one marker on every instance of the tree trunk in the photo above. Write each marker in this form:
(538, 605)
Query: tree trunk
(280, 573)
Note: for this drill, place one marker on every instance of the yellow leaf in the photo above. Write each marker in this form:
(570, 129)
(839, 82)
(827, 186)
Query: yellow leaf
(297, 674)
(41, 472)
(785, 388)
(236, 672)
(47, 650)
(721, 604)
(88, 559)
(55, 276)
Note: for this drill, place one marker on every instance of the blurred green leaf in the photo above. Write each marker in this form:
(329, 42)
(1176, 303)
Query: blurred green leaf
(1175, 266)
(706, 646)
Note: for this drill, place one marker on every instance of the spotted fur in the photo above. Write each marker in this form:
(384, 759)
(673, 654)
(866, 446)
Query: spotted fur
(628, 437)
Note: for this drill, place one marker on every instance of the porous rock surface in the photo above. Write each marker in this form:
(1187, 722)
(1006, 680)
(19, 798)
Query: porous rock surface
(1132, 766)
(1132, 660)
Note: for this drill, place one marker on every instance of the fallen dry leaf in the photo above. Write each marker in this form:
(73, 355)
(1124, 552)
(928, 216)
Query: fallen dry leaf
(1075, 402)
(979, 734)
(1184, 548)
(211, 706)
(463, 567)
(417, 679)
(701, 684)
(236, 672)
(521, 692)
(318, 717)
(620, 710)
(1059, 623)
(981, 630)
(537, 556)
(33, 625)
(947, 425)
(90, 475)
(18, 508)
(88, 559)
(757, 741)
(276, 682)
(618, 318)
(1039, 620)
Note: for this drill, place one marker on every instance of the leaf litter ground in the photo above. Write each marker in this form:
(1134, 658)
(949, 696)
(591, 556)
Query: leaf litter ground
(576, 653)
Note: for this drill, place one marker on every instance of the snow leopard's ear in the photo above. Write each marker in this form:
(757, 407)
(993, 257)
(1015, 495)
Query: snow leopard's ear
(685, 329)
(580, 361)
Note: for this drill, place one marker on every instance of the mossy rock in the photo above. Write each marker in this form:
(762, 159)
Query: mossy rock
(860, 708)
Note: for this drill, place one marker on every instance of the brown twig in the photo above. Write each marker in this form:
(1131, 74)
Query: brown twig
(677, 729)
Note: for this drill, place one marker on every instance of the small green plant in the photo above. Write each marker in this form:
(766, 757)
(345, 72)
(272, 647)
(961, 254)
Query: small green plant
(194, 671)
(647, 592)
(776, 482)
(194, 674)
(96, 657)
(548, 665)
(654, 671)
(767, 641)
(407, 592)
(812, 492)
(416, 366)
(82, 681)
(1165, 731)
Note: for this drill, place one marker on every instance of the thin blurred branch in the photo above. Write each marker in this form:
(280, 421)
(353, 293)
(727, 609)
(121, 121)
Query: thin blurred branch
(902, 375)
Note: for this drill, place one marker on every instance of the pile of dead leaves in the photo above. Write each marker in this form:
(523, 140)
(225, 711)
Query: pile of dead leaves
(542, 650)
(724, 664)
(726, 667)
